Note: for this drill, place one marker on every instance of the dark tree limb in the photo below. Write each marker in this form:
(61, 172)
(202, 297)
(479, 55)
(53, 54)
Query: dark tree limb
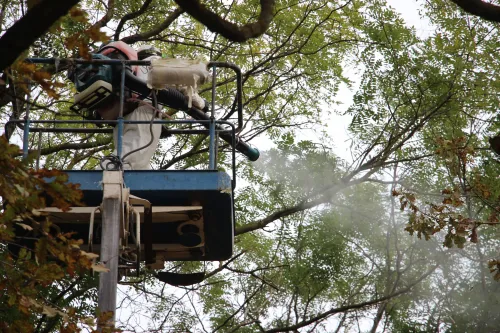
(222, 267)
(110, 10)
(131, 16)
(75, 146)
(193, 151)
(294, 328)
(30, 27)
(485, 10)
(158, 29)
(344, 183)
(277, 215)
(229, 30)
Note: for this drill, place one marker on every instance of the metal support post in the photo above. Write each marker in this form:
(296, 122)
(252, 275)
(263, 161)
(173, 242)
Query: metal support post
(211, 145)
(112, 211)
(119, 140)
(26, 134)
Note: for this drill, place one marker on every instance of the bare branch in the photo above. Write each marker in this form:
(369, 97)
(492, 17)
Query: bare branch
(71, 146)
(193, 151)
(247, 300)
(485, 10)
(222, 267)
(305, 204)
(354, 306)
(131, 16)
(158, 29)
(30, 27)
(245, 323)
(107, 16)
(229, 30)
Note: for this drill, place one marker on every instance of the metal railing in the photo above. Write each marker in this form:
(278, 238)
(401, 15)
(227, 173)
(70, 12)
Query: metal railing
(213, 127)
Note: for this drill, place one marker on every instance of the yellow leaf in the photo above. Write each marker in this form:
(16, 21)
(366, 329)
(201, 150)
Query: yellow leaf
(89, 321)
(25, 226)
(89, 255)
(22, 190)
(49, 311)
(26, 301)
(52, 312)
(100, 268)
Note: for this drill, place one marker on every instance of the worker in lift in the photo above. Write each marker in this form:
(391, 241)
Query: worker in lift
(139, 141)
(99, 94)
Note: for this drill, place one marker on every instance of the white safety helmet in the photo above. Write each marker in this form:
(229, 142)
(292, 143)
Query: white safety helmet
(146, 51)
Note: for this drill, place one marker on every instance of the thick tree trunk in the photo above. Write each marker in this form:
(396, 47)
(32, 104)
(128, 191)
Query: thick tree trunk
(19, 37)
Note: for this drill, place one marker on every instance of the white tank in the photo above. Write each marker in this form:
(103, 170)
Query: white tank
(183, 74)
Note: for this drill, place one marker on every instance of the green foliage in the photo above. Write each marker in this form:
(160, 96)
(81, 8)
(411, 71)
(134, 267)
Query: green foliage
(326, 233)
(33, 279)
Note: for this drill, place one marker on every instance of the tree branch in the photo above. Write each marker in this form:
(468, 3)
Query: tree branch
(70, 146)
(222, 267)
(247, 300)
(229, 30)
(305, 204)
(57, 298)
(30, 27)
(131, 16)
(158, 29)
(277, 215)
(353, 306)
(480, 8)
(193, 151)
(107, 17)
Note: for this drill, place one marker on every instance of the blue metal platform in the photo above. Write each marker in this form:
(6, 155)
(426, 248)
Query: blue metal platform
(212, 190)
(160, 187)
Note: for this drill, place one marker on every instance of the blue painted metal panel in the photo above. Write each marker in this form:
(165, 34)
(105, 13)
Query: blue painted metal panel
(158, 180)
(161, 188)
(178, 180)
(208, 188)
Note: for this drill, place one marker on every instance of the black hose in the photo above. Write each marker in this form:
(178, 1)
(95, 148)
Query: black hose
(113, 163)
(252, 153)
(169, 97)
(175, 99)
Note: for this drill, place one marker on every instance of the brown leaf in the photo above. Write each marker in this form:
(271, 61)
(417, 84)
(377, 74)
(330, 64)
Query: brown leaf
(473, 235)
(49, 311)
(89, 255)
(100, 268)
(25, 226)
(447, 201)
